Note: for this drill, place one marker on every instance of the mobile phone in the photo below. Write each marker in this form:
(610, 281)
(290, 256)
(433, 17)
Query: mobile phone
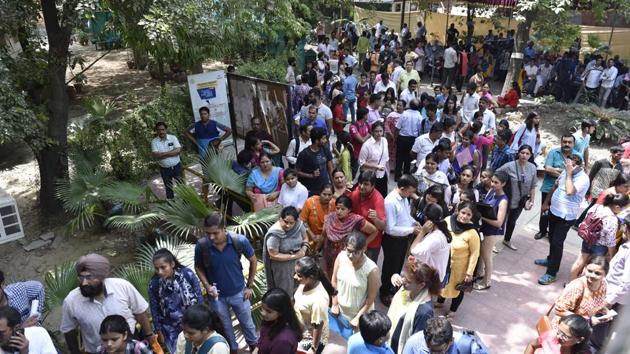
(12, 349)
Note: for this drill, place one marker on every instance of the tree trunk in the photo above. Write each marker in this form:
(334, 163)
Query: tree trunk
(197, 67)
(140, 58)
(53, 160)
(520, 42)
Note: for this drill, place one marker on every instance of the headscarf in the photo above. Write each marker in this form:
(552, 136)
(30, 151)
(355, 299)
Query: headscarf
(337, 230)
(96, 264)
(458, 227)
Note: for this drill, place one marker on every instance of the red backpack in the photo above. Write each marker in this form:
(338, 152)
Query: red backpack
(591, 228)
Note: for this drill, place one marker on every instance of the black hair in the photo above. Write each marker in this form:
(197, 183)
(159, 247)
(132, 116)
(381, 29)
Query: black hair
(472, 86)
(304, 128)
(362, 113)
(1, 277)
(407, 180)
(567, 135)
(471, 206)
(438, 331)
(469, 193)
(432, 107)
(337, 99)
(443, 144)
(326, 186)
(505, 135)
(621, 179)
(214, 219)
(278, 300)
(577, 159)
(244, 157)
(289, 211)
(374, 97)
(202, 317)
(250, 141)
(472, 172)
(469, 134)
(368, 176)
(616, 199)
(450, 99)
(579, 328)
(526, 147)
(437, 127)
(309, 268)
(337, 170)
(436, 214)
(204, 108)
(504, 177)
(414, 104)
(432, 156)
(356, 239)
(317, 134)
(601, 261)
(115, 324)
(587, 124)
(11, 315)
(412, 82)
(374, 325)
(448, 122)
(377, 124)
(167, 256)
(517, 88)
(345, 201)
(437, 192)
(529, 121)
(288, 172)
(160, 123)
(616, 149)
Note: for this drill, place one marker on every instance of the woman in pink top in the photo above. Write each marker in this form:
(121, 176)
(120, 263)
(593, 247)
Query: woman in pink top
(571, 336)
(359, 131)
(485, 92)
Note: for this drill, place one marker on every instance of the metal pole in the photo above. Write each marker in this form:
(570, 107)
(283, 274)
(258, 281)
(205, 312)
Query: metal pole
(612, 30)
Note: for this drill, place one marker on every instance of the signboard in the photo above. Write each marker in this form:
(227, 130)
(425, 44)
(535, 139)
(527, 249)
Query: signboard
(209, 89)
(268, 100)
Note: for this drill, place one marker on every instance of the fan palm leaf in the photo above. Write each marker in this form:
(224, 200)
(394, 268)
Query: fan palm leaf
(58, 283)
(218, 170)
(180, 218)
(137, 275)
(255, 224)
(138, 222)
(182, 250)
(132, 196)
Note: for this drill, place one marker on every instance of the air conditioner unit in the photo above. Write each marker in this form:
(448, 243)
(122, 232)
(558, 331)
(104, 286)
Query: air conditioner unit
(10, 223)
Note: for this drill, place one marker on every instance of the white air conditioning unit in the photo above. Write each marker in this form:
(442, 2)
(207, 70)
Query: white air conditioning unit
(10, 223)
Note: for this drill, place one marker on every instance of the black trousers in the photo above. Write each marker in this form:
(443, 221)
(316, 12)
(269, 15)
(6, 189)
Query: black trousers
(558, 229)
(394, 251)
(403, 159)
(511, 223)
(168, 175)
(455, 303)
(543, 222)
(381, 185)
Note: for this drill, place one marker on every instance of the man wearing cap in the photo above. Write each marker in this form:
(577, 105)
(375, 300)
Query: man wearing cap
(96, 298)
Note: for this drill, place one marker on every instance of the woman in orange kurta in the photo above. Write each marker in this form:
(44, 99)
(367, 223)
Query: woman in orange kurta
(313, 213)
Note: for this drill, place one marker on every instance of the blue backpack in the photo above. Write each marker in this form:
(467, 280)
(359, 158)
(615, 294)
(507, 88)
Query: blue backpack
(470, 343)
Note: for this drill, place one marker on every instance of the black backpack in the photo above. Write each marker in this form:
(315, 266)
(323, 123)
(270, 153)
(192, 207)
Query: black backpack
(204, 243)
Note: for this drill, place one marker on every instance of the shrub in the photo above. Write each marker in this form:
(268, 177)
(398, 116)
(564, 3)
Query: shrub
(273, 69)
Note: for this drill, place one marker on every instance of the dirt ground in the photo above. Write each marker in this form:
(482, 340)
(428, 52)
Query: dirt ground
(19, 176)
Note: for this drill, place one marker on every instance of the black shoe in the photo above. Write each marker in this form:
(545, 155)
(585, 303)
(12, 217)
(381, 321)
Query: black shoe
(540, 235)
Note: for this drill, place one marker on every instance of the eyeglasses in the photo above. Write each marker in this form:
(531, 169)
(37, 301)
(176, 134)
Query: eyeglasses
(88, 277)
(563, 336)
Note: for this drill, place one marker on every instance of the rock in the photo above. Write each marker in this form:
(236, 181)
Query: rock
(49, 236)
(23, 242)
(57, 242)
(37, 244)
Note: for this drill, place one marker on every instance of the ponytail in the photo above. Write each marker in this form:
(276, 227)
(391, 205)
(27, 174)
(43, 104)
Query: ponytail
(310, 268)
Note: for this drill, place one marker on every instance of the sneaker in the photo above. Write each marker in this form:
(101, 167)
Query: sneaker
(546, 279)
(509, 245)
(541, 262)
(481, 286)
(540, 235)
(495, 249)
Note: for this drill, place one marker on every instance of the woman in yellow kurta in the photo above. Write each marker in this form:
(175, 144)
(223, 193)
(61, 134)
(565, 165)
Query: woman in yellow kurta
(464, 253)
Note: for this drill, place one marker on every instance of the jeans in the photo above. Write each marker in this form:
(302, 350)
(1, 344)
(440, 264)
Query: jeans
(543, 222)
(603, 96)
(350, 104)
(394, 250)
(403, 159)
(243, 310)
(558, 229)
(168, 174)
(511, 223)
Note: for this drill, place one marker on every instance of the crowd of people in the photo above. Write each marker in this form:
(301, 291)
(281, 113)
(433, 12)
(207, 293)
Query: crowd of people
(344, 240)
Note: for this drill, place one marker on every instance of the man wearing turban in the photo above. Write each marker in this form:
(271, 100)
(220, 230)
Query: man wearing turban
(97, 297)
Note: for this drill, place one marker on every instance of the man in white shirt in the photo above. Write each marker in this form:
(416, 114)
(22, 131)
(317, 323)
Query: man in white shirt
(543, 76)
(34, 340)
(608, 80)
(398, 69)
(425, 143)
(399, 229)
(384, 84)
(166, 149)
(298, 144)
(531, 70)
(410, 92)
(470, 104)
(450, 65)
(489, 119)
(593, 76)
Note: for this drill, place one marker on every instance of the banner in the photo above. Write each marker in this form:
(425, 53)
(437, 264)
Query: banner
(209, 89)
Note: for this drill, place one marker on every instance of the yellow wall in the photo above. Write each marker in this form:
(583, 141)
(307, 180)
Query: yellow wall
(436, 26)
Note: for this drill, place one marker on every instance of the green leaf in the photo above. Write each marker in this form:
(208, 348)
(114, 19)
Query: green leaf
(219, 171)
(182, 250)
(137, 275)
(134, 222)
(59, 283)
(255, 225)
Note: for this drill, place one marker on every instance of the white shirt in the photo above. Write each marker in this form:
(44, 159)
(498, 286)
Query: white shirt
(409, 123)
(323, 112)
(422, 147)
(450, 58)
(398, 211)
(39, 341)
(593, 77)
(407, 96)
(545, 72)
(469, 107)
(489, 121)
(81, 312)
(396, 73)
(524, 136)
(291, 154)
(381, 87)
(294, 197)
(290, 76)
(530, 70)
(170, 143)
(350, 61)
(376, 153)
(434, 251)
(608, 77)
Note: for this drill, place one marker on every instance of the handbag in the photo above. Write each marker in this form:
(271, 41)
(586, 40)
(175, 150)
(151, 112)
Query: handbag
(544, 323)
(339, 324)
(466, 287)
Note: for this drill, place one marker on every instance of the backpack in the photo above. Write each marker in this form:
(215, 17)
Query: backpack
(590, 229)
(296, 152)
(470, 343)
(205, 253)
(206, 346)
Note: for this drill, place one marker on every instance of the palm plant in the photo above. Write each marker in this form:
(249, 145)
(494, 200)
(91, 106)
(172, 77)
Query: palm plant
(612, 124)
(138, 275)
(58, 284)
(182, 250)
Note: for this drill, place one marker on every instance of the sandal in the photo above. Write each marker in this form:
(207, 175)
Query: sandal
(479, 286)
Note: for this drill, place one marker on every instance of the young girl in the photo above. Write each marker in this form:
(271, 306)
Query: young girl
(485, 183)
(116, 338)
(292, 193)
(433, 195)
(465, 181)
(363, 91)
(202, 333)
(389, 102)
(281, 330)
(467, 154)
(339, 119)
(347, 163)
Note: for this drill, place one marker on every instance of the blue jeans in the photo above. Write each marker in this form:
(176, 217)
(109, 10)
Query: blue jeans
(168, 174)
(350, 104)
(243, 310)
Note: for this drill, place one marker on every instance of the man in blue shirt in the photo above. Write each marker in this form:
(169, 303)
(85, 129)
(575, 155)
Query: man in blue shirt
(501, 154)
(372, 336)
(438, 337)
(349, 91)
(218, 266)
(314, 120)
(205, 130)
(554, 165)
(563, 203)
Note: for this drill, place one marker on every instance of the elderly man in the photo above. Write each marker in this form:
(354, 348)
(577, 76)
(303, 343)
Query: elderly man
(96, 298)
